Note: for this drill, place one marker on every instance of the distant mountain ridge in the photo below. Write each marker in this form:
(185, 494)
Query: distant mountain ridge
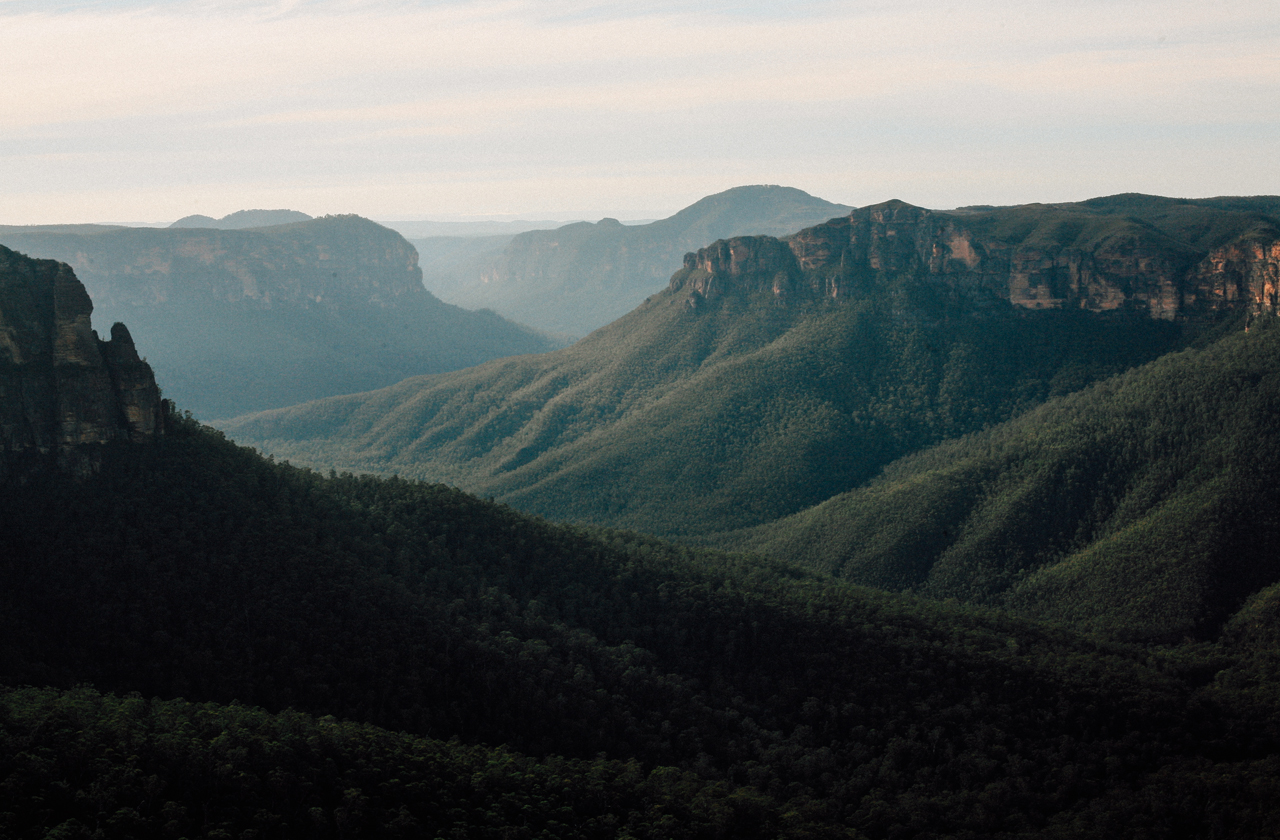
(247, 319)
(242, 219)
(774, 374)
(581, 276)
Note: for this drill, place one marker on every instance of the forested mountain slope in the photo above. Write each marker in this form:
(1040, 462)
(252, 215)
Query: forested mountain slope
(581, 276)
(240, 320)
(772, 374)
(1143, 506)
(677, 422)
(727, 696)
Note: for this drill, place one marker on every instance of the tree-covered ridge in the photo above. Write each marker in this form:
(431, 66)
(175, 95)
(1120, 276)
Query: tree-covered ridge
(680, 422)
(1186, 227)
(775, 373)
(77, 764)
(785, 700)
(1142, 506)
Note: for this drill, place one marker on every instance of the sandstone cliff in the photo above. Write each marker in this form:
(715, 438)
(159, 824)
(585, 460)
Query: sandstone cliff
(62, 389)
(1035, 257)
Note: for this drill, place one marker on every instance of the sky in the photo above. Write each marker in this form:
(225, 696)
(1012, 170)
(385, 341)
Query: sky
(118, 110)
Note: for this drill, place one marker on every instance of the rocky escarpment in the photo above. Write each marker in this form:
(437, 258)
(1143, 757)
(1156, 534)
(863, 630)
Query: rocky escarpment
(335, 260)
(1036, 257)
(62, 389)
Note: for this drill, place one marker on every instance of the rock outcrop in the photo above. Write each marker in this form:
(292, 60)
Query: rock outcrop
(62, 389)
(1037, 257)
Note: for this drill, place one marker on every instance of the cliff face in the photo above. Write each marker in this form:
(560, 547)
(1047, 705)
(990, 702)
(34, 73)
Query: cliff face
(1044, 259)
(61, 387)
(337, 260)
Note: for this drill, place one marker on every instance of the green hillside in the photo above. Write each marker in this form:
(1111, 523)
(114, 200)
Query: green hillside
(1142, 506)
(643, 689)
(699, 414)
(677, 422)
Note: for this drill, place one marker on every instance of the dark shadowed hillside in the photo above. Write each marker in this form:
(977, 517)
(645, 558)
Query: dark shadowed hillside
(737, 697)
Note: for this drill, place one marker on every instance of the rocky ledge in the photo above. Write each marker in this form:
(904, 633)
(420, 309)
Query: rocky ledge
(62, 389)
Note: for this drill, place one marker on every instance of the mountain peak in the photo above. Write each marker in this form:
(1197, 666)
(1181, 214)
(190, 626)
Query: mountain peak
(242, 219)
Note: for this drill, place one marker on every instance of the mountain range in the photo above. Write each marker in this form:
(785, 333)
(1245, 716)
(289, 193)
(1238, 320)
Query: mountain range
(196, 641)
(581, 276)
(774, 375)
(240, 320)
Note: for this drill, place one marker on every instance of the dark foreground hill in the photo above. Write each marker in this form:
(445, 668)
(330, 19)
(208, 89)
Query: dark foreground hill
(689, 694)
(239, 320)
(581, 276)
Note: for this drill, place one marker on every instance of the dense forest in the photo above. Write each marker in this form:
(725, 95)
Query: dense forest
(680, 425)
(277, 653)
(1141, 507)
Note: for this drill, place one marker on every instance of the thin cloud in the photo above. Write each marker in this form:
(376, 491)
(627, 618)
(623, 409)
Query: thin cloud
(294, 90)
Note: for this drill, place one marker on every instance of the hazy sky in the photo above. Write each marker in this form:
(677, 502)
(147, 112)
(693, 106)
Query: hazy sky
(117, 110)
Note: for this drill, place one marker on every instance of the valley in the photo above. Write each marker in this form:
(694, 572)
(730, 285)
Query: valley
(908, 523)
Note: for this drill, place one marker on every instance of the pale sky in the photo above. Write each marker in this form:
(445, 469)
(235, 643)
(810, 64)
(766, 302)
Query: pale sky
(117, 110)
